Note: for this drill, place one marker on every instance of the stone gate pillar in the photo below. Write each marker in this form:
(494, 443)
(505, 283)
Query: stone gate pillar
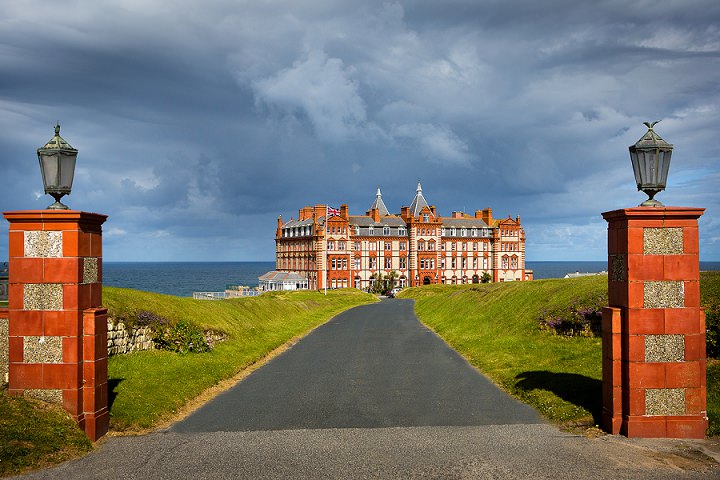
(57, 328)
(654, 329)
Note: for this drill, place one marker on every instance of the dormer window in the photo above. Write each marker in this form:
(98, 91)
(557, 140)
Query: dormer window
(453, 232)
(442, 231)
(386, 230)
(426, 217)
(463, 232)
(401, 231)
(371, 230)
(357, 229)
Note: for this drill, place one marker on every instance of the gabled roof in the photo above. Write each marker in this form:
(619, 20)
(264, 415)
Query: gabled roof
(379, 204)
(418, 202)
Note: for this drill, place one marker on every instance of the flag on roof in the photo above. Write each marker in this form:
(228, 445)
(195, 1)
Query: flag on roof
(333, 212)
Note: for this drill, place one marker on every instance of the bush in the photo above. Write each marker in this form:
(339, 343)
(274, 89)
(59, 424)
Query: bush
(712, 332)
(183, 337)
(583, 318)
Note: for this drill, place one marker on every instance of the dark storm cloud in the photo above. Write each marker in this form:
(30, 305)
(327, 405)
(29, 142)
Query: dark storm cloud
(199, 122)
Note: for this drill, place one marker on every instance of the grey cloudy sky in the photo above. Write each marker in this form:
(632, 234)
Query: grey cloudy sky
(198, 123)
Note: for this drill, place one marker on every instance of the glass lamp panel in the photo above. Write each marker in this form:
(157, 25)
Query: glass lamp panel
(50, 170)
(67, 171)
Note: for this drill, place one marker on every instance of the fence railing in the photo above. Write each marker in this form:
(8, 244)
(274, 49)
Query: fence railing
(225, 294)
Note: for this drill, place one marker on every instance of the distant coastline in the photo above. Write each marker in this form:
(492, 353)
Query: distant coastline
(183, 278)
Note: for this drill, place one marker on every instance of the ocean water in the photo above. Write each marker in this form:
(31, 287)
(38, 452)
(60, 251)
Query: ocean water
(184, 278)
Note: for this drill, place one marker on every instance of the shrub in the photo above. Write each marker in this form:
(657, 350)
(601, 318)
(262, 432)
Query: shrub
(583, 318)
(712, 332)
(183, 337)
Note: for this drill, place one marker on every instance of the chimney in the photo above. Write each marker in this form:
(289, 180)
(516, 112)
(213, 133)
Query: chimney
(487, 216)
(344, 212)
(278, 232)
(478, 214)
(457, 214)
(434, 212)
(375, 214)
(405, 213)
(517, 219)
(320, 210)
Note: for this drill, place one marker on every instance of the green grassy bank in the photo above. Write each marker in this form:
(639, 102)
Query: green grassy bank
(495, 326)
(147, 388)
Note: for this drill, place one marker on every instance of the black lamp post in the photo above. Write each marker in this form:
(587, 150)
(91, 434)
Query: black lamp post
(650, 157)
(57, 165)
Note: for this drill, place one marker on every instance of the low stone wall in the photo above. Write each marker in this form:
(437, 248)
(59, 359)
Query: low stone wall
(123, 340)
(4, 355)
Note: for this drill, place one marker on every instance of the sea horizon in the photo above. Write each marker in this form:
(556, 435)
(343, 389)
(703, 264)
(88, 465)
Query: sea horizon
(182, 278)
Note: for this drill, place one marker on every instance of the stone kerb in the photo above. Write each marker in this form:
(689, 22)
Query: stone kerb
(654, 330)
(57, 346)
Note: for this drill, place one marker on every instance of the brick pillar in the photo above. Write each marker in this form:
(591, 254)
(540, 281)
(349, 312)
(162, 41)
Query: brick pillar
(57, 327)
(654, 329)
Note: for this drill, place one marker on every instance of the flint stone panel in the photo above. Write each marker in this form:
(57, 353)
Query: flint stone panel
(90, 270)
(4, 352)
(618, 270)
(42, 349)
(664, 348)
(46, 395)
(43, 244)
(664, 294)
(665, 401)
(42, 296)
(663, 241)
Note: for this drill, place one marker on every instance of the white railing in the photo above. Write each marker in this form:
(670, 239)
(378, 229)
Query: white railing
(225, 294)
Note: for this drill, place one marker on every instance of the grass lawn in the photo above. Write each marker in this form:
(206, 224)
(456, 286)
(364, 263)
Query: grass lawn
(148, 388)
(34, 434)
(495, 327)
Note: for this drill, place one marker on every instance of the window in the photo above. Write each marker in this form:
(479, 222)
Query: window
(474, 246)
(431, 245)
(401, 231)
(373, 245)
(475, 263)
(464, 263)
(505, 262)
(442, 263)
(331, 245)
(442, 231)
(454, 246)
(485, 263)
(473, 232)
(341, 245)
(403, 262)
(371, 230)
(442, 246)
(357, 229)
(388, 263)
(426, 217)
(513, 262)
(356, 263)
(403, 246)
(421, 246)
(386, 230)
(464, 246)
(453, 232)
(334, 266)
(422, 264)
(372, 263)
(454, 263)
(356, 246)
(344, 264)
(388, 246)
(463, 232)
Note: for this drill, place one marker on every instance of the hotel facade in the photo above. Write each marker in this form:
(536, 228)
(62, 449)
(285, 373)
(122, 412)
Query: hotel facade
(334, 249)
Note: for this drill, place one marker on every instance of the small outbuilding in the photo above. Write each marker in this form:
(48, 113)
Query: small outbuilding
(275, 280)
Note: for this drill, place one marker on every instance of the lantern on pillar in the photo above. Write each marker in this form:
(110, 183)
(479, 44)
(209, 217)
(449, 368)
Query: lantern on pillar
(650, 157)
(57, 165)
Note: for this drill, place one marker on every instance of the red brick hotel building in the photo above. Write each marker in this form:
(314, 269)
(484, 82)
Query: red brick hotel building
(421, 246)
